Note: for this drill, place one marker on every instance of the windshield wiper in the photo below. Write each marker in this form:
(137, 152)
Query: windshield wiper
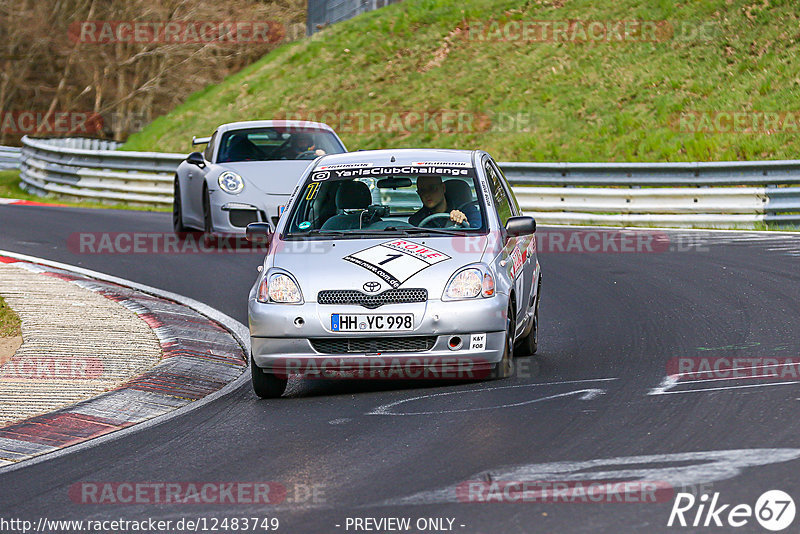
(337, 233)
(316, 231)
(432, 231)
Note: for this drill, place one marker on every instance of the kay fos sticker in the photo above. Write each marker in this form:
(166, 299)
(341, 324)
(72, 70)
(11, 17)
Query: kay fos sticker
(396, 261)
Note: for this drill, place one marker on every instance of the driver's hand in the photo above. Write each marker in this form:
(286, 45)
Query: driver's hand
(458, 217)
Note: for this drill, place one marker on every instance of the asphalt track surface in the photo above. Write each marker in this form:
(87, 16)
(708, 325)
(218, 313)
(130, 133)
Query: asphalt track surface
(610, 323)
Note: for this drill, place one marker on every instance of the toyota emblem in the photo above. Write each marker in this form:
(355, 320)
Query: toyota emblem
(372, 287)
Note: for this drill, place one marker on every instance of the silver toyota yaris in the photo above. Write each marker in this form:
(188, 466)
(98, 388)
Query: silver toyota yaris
(395, 264)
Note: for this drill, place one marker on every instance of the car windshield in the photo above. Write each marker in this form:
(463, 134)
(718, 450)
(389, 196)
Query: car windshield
(277, 143)
(361, 199)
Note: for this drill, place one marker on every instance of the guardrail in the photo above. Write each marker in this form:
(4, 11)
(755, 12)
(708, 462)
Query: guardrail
(89, 169)
(714, 194)
(9, 157)
(321, 13)
(726, 194)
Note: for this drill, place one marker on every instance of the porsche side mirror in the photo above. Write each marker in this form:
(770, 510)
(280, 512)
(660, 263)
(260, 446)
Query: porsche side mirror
(196, 158)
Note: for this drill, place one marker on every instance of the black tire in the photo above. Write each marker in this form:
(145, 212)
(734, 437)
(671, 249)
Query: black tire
(208, 227)
(266, 385)
(530, 343)
(505, 367)
(177, 210)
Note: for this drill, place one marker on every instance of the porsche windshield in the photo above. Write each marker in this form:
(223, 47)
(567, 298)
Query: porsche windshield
(276, 143)
(356, 200)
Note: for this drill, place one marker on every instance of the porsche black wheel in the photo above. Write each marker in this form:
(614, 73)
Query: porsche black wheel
(177, 210)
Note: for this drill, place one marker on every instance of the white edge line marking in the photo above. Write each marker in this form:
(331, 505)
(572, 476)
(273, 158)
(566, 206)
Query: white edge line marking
(384, 408)
(646, 228)
(671, 381)
(239, 331)
(723, 388)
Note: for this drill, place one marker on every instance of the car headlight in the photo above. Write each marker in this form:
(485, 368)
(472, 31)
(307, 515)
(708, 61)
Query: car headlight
(230, 182)
(469, 283)
(279, 288)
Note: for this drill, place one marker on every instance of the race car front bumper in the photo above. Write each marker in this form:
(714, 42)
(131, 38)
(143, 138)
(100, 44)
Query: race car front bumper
(463, 336)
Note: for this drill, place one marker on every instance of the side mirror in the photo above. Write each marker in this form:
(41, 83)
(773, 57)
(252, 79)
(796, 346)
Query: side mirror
(258, 232)
(516, 226)
(196, 158)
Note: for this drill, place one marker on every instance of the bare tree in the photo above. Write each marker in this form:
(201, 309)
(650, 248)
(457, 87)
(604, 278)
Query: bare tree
(54, 59)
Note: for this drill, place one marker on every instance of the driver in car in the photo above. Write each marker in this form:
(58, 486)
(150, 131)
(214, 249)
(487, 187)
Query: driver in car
(300, 144)
(431, 191)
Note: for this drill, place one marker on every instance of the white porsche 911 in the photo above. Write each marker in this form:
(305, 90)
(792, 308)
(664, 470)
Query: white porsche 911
(246, 173)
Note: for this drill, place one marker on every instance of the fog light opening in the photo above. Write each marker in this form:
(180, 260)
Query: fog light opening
(455, 343)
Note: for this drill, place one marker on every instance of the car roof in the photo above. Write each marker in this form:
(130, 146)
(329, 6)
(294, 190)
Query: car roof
(399, 156)
(273, 123)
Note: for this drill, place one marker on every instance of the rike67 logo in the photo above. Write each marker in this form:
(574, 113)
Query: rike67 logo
(774, 510)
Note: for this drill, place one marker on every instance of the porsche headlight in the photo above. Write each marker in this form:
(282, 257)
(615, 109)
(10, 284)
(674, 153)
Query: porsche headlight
(279, 288)
(468, 283)
(230, 182)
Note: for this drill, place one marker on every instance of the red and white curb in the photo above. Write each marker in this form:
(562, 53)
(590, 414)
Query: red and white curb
(200, 358)
(18, 202)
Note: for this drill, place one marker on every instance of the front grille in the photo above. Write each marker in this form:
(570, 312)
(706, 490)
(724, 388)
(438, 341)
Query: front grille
(373, 344)
(241, 218)
(355, 297)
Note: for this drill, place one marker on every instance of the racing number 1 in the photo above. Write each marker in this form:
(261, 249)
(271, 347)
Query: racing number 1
(390, 257)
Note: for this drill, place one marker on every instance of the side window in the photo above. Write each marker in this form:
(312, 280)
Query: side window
(501, 201)
(509, 191)
(209, 151)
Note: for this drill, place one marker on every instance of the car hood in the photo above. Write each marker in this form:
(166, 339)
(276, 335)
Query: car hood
(414, 262)
(271, 177)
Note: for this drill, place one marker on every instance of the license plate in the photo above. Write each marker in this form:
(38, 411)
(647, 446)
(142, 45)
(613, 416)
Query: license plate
(389, 322)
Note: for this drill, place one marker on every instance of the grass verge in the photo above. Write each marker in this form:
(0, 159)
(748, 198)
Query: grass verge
(9, 321)
(579, 100)
(10, 188)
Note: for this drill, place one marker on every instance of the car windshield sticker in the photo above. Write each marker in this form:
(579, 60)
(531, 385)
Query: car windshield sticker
(312, 191)
(396, 261)
(303, 225)
(343, 166)
(486, 193)
(318, 176)
(294, 192)
(406, 169)
(441, 163)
